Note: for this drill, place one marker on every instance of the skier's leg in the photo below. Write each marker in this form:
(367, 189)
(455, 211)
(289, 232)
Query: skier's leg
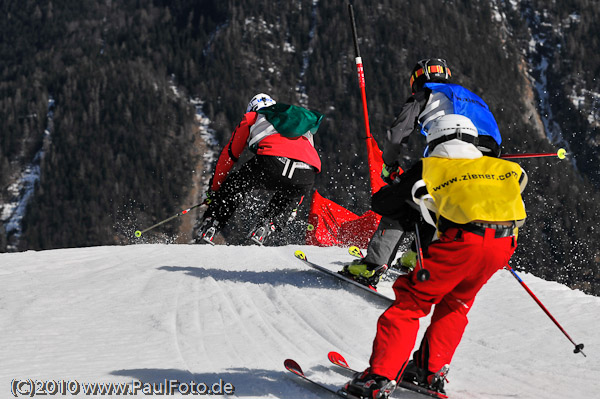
(444, 333)
(291, 181)
(396, 333)
(237, 185)
(449, 318)
(380, 253)
(283, 205)
(397, 330)
(384, 243)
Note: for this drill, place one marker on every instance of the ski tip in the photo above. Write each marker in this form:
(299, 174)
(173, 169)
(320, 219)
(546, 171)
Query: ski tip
(300, 255)
(337, 359)
(294, 367)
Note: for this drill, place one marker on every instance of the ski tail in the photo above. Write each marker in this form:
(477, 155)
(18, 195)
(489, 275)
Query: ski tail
(300, 255)
(338, 360)
(355, 251)
(293, 366)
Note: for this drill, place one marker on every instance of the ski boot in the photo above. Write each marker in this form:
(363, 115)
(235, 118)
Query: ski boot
(364, 273)
(372, 386)
(261, 232)
(427, 379)
(206, 232)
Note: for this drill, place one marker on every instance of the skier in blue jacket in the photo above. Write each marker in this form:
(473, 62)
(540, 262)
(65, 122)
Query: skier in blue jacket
(432, 97)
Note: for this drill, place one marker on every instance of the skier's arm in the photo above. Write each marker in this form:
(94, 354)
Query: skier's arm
(405, 123)
(232, 151)
(523, 180)
(394, 200)
(522, 183)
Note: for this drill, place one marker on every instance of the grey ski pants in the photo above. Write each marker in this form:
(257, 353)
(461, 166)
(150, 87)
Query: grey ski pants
(385, 242)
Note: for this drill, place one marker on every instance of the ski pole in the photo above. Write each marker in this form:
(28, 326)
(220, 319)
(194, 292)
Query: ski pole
(139, 233)
(561, 153)
(422, 274)
(578, 347)
(361, 73)
(374, 165)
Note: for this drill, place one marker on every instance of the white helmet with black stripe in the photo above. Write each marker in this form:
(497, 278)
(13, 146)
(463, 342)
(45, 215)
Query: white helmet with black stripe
(449, 127)
(259, 101)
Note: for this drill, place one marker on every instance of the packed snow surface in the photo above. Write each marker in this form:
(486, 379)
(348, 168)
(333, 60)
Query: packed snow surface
(146, 315)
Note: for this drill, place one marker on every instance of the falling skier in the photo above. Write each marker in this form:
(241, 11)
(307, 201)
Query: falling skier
(477, 205)
(286, 163)
(432, 97)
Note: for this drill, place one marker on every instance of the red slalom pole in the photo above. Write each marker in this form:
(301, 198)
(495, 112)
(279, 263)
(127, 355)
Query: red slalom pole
(560, 154)
(361, 73)
(578, 347)
(372, 148)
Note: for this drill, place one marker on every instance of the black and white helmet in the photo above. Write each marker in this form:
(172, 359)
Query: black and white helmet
(429, 70)
(259, 101)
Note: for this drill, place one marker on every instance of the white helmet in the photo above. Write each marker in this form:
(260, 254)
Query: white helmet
(259, 101)
(451, 126)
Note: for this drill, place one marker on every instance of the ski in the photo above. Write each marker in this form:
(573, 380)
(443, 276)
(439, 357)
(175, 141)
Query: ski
(294, 367)
(302, 256)
(339, 360)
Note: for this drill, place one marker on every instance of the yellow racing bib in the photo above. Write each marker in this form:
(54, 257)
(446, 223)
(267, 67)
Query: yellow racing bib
(484, 188)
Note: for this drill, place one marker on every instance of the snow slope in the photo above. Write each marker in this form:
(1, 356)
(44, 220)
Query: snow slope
(207, 314)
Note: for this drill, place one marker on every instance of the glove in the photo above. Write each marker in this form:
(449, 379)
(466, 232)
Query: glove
(389, 173)
(408, 260)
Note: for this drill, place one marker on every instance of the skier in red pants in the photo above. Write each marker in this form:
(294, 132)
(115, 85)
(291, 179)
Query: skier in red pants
(477, 204)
